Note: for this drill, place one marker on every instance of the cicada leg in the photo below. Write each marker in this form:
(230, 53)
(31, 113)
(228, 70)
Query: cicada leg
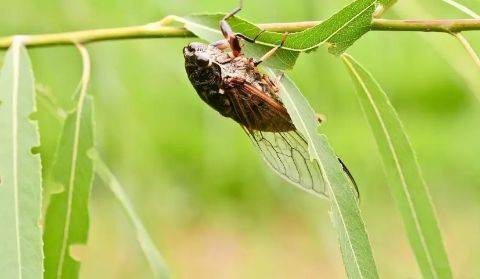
(231, 37)
(224, 44)
(221, 44)
(271, 52)
(248, 39)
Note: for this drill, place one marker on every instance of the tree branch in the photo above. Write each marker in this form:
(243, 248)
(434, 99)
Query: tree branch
(434, 25)
(161, 31)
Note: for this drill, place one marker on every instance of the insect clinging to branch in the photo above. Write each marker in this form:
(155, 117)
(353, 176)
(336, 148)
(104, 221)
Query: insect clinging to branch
(233, 85)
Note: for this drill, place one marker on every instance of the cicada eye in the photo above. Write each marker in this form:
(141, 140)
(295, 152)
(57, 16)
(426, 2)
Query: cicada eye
(196, 47)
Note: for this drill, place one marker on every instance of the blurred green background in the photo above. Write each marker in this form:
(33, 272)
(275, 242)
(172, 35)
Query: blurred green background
(211, 205)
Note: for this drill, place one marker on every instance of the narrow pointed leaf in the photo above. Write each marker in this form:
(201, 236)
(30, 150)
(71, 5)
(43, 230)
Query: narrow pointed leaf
(345, 213)
(151, 252)
(403, 173)
(340, 31)
(207, 27)
(20, 170)
(67, 215)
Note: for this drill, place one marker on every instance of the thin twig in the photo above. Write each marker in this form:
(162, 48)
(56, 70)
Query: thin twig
(159, 30)
(465, 43)
(468, 48)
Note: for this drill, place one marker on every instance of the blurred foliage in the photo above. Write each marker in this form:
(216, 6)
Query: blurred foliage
(210, 203)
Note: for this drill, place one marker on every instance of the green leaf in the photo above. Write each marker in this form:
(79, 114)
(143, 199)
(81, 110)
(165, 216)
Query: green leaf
(403, 173)
(207, 27)
(20, 170)
(153, 256)
(67, 215)
(340, 31)
(50, 117)
(345, 213)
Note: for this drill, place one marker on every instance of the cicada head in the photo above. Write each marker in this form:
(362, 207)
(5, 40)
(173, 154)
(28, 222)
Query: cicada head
(204, 74)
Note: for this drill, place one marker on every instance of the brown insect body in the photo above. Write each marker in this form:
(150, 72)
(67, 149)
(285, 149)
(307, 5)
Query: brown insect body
(233, 85)
(235, 88)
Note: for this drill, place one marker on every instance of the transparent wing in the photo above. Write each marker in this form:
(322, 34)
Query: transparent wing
(287, 153)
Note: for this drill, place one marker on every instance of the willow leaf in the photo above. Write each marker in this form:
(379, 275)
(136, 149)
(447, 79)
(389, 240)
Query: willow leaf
(67, 215)
(345, 213)
(153, 256)
(20, 170)
(207, 27)
(403, 173)
(340, 31)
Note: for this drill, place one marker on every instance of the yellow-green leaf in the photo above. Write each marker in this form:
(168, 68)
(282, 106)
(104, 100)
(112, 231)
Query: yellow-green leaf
(67, 215)
(339, 31)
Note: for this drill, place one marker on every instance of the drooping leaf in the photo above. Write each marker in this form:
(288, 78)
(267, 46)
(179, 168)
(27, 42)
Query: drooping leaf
(340, 31)
(207, 27)
(155, 260)
(403, 173)
(67, 220)
(345, 213)
(20, 170)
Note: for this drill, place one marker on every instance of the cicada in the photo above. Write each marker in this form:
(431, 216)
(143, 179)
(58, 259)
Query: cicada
(233, 85)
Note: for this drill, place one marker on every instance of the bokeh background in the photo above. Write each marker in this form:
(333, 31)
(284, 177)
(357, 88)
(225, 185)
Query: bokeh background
(211, 205)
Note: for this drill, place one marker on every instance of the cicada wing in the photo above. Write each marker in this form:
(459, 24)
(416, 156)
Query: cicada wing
(256, 110)
(268, 125)
(287, 154)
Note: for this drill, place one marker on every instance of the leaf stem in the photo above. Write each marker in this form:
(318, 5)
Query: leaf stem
(468, 48)
(159, 30)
